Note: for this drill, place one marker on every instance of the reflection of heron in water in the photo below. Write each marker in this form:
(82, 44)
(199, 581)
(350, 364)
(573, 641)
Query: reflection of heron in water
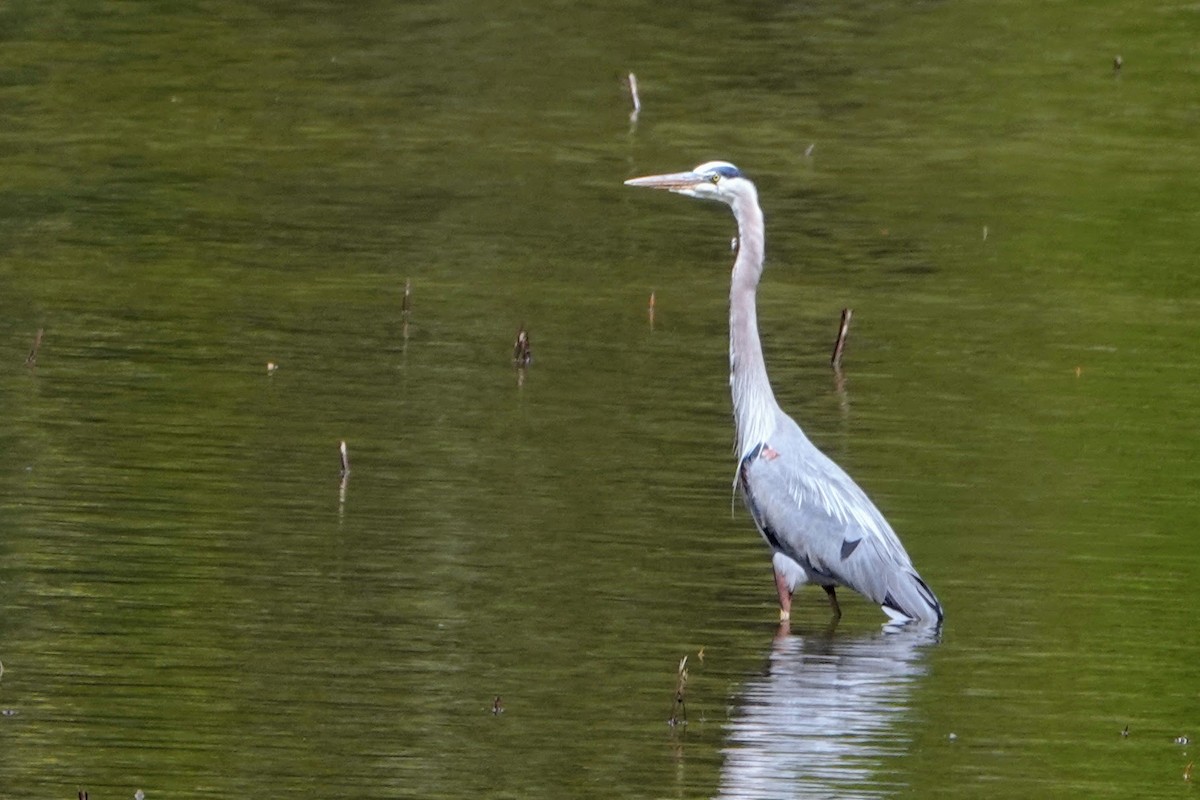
(824, 718)
(822, 528)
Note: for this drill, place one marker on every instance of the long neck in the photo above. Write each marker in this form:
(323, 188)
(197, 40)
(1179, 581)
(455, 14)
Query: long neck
(753, 402)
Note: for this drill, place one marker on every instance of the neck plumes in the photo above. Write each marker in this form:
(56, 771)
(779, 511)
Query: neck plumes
(753, 402)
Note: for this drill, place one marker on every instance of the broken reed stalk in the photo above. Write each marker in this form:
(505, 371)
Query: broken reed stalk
(522, 348)
(406, 303)
(31, 359)
(345, 460)
(678, 705)
(839, 346)
(637, 103)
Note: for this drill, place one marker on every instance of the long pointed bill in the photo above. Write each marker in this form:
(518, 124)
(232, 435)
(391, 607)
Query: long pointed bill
(675, 182)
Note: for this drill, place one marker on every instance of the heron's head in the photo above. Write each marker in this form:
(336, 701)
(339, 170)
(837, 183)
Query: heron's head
(712, 180)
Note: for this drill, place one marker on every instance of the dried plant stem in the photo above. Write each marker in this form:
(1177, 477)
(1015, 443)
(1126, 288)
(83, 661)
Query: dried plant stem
(839, 346)
(31, 359)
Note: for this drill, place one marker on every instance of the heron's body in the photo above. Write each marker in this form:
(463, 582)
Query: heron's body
(821, 527)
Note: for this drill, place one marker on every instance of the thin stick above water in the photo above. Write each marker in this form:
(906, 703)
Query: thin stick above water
(637, 102)
(31, 359)
(345, 472)
(522, 348)
(679, 704)
(839, 346)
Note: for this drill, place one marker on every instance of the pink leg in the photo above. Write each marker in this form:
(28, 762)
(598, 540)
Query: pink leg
(785, 596)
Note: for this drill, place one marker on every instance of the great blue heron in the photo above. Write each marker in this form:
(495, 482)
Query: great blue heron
(822, 528)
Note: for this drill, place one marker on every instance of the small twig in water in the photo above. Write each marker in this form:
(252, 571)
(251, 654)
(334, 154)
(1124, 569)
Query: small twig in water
(678, 706)
(637, 103)
(345, 473)
(406, 310)
(31, 359)
(839, 346)
(497, 707)
(522, 349)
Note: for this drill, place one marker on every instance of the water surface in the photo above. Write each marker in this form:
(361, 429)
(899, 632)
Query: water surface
(193, 603)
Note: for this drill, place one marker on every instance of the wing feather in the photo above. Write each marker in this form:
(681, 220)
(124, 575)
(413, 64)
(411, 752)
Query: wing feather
(813, 512)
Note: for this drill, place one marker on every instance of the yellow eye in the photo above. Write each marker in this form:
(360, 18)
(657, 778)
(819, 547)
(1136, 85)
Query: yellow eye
(715, 178)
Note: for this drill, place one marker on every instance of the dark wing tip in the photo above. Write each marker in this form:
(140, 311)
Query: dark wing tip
(891, 605)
